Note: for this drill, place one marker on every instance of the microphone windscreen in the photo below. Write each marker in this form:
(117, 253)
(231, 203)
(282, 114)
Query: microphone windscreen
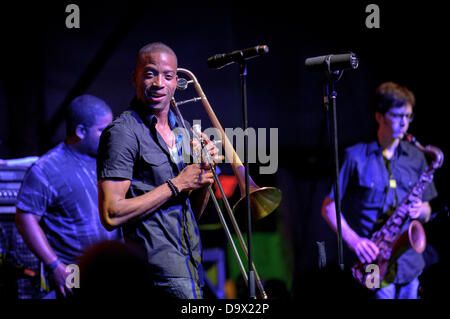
(343, 61)
(261, 49)
(215, 61)
(315, 64)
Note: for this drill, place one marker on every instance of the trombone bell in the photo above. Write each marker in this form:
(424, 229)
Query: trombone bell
(263, 201)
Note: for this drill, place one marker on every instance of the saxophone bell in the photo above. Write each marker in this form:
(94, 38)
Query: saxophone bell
(416, 235)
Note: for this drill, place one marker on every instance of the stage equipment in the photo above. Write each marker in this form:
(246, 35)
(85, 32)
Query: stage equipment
(332, 62)
(218, 61)
(241, 57)
(20, 276)
(332, 66)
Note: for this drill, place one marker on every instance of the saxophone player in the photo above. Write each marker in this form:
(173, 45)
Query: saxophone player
(374, 177)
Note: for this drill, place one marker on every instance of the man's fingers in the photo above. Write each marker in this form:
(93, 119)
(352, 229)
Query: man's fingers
(69, 290)
(205, 137)
(206, 178)
(373, 249)
(62, 290)
(366, 251)
(219, 158)
(365, 256)
(207, 175)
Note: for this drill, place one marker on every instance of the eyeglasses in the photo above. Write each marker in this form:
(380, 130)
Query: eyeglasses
(398, 116)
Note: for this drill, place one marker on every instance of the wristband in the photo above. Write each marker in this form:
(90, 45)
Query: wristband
(52, 266)
(173, 188)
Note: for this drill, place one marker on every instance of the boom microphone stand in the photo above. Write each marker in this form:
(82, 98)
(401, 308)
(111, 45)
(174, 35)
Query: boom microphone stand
(251, 272)
(218, 61)
(329, 99)
(333, 67)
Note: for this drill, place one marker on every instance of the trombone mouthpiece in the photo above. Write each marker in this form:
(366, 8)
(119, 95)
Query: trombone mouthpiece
(182, 84)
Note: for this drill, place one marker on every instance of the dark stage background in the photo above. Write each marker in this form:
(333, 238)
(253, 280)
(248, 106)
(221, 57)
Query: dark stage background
(44, 65)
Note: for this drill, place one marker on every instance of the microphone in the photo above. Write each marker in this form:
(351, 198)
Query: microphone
(218, 61)
(332, 62)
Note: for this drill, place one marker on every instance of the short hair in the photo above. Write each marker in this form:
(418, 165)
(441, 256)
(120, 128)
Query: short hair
(392, 95)
(84, 109)
(156, 47)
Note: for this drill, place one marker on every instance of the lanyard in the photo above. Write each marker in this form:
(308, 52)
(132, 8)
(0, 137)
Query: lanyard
(392, 185)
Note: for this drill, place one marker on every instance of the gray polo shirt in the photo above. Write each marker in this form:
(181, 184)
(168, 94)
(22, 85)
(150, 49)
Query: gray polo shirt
(131, 148)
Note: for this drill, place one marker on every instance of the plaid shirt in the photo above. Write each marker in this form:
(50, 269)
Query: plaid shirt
(62, 189)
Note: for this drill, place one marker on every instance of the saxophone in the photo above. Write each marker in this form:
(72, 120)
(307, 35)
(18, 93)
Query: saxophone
(390, 242)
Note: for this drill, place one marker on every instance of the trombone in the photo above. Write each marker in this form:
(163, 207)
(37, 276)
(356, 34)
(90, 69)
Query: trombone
(264, 200)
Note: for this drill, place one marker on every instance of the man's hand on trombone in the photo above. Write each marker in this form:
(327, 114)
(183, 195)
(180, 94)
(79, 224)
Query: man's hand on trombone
(199, 174)
(211, 149)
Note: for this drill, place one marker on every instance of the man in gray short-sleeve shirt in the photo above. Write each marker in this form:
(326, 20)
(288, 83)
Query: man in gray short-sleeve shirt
(145, 187)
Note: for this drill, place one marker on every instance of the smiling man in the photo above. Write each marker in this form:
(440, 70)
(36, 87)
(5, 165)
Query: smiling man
(374, 178)
(144, 186)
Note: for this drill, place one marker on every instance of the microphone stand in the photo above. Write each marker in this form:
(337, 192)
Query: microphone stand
(251, 272)
(330, 101)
